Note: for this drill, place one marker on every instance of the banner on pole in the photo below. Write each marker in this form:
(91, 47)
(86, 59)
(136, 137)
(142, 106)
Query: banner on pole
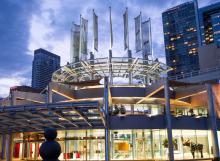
(126, 36)
(146, 38)
(111, 31)
(95, 31)
(75, 36)
(83, 36)
(138, 36)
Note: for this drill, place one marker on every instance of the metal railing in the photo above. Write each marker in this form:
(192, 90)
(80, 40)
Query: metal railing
(194, 73)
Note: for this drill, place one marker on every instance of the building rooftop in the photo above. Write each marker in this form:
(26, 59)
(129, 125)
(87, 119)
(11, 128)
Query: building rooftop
(177, 7)
(211, 6)
(40, 50)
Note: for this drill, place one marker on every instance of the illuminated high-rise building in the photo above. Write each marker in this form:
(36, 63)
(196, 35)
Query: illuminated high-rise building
(44, 64)
(181, 37)
(210, 24)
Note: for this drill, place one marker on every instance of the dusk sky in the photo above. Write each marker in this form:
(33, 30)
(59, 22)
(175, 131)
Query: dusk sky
(26, 25)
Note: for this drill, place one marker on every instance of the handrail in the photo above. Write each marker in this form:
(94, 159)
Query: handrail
(194, 73)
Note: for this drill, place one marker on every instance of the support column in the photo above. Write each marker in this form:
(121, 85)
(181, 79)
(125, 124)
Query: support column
(212, 120)
(168, 119)
(49, 94)
(130, 62)
(152, 143)
(110, 67)
(35, 150)
(106, 119)
(8, 147)
(22, 149)
(3, 147)
(92, 63)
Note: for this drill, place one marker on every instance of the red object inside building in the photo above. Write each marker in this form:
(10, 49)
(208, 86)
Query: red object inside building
(16, 150)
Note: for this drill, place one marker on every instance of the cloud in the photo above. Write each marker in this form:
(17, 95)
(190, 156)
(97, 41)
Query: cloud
(14, 80)
(14, 19)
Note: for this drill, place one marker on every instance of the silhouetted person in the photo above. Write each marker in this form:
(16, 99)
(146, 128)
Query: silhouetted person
(50, 150)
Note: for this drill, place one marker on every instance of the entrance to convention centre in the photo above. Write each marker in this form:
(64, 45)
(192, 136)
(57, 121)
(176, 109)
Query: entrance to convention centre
(75, 145)
(136, 144)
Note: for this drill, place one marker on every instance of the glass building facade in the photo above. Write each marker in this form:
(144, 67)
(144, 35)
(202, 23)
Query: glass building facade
(209, 17)
(181, 38)
(124, 144)
(43, 66)
(129, 144)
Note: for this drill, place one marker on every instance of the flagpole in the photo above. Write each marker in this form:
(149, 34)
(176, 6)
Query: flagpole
(141, 34)
(110, 18)
(93, 32)
(127, 27)
(80, 39)
(151, 42)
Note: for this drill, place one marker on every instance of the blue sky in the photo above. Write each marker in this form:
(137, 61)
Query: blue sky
(30, 24)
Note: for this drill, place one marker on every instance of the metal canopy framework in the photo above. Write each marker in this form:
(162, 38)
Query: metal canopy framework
(138, 68)
(87, 114)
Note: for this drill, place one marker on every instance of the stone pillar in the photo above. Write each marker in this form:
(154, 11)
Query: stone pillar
(8, 147)
(105, 102)
(168, 119)
(213, 120)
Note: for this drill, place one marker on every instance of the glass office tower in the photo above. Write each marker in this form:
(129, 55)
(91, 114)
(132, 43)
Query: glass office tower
(209, 17)
(181, 38)
(44, 64)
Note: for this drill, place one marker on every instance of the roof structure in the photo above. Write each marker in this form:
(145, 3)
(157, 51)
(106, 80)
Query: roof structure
(87, 114)
(137, 68)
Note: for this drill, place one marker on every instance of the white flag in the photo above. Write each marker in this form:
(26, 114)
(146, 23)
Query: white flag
(146, 38)
(126, 36)
(95, 31)
(138, 35)
(111, 31)
(75, 34)
(83, 36)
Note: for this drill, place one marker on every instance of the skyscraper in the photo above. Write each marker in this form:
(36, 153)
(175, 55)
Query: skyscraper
(44, 64)
(181, 38)
(209, 17)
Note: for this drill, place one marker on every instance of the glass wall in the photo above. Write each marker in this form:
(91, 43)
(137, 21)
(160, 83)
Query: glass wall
(189, 144)
(153, 144)
(137, 109)
(137, 144)
(75, 145)
(84, 145)
(195, 112)
(124, 144)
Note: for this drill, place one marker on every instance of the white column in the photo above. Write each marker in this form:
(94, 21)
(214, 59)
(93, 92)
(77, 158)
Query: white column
(168, 119)
(213, 119)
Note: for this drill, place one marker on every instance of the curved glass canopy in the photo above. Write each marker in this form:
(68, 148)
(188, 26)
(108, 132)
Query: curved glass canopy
(134, 68)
